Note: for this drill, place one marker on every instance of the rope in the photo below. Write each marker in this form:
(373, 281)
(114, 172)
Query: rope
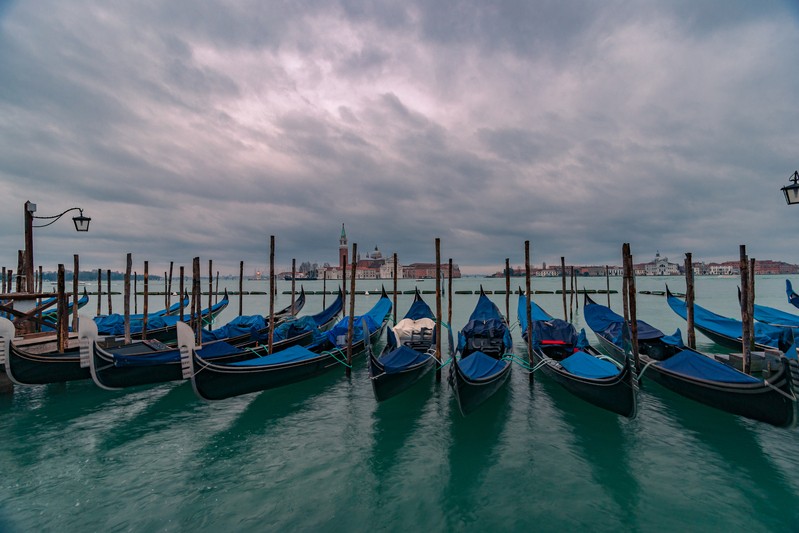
(646, 366)
(519, 361)
(333, 355)
(791, 397)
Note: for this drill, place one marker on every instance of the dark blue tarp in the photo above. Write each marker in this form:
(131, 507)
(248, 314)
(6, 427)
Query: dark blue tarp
(157, 358)
(209, 351)
(485, 309)
(603, 321)
(766, 335)
(332, 310)
(374, 318)
(478, 365)
(674, 339)
(775, 317)
(554, 331)
(114, 324)
(419, 309)
(588, 366)
(241, 325)
(292, 354)
(536, 312)
(793, 298)
(402, 358)
(696, 365)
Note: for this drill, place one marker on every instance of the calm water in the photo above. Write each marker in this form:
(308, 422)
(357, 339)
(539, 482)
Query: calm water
(324, 456)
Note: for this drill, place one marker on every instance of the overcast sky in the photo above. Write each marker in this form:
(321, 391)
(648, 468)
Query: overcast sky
(188, 128)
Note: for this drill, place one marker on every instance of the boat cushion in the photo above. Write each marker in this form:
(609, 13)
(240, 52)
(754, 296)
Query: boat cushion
(696, 365)
(587, 366)
(478, 365)
(408, 329)
(402, 358)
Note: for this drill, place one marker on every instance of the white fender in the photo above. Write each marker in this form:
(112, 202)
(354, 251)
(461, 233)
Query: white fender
(186, 346)
(87, 333)
(7, 331)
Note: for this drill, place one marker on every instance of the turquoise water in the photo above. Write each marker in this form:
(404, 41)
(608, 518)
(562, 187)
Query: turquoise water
(322, 455)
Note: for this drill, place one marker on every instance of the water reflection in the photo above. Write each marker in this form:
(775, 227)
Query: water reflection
(472, 453)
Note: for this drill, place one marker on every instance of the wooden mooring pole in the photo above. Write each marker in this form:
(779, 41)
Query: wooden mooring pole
(63, 333)
(507, 290)
(210, 293)
(689, 300)
(241, 288)
(571, 294)
(271, 292)
(439, 329)
(293, 283)
(394, 307)
(75, 270)
(529, 313)
(135, 292)
(128, 267)
(145, 300)
(350, 323)
(108, 285)
(746, 333)
(169, 286)
(607, 283)
(99, 291)
(563, 286)
(631, 305)
(196, 323)
(181, 292)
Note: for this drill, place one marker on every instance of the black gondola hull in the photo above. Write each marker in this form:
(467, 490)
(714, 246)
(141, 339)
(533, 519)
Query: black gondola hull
(217, 382)
(386, 386)
(758, 401)
(616, 394)
(109, 376)
(469, 393)
(25, 368)
(754, 401)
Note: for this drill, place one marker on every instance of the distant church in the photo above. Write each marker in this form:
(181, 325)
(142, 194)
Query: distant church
(660, 266)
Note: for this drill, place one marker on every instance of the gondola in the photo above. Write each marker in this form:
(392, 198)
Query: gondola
(217, 381)
(773, 316)
(793, 298)
(160, 325)
(36, 360)
(566, 357)
(727, 331)
(701, 378)
(147, 362)
(479, 366)
(409, 352)
(53, 313)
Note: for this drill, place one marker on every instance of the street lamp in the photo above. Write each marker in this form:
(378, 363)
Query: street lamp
(81, 224)
(791, 192)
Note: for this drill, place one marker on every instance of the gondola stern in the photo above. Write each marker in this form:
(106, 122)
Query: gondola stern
(7, 331)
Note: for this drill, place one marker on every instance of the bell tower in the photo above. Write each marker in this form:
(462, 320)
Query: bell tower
(342, 250)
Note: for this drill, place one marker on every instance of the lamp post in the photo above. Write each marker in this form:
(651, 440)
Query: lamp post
(81, 224)
(791, 192)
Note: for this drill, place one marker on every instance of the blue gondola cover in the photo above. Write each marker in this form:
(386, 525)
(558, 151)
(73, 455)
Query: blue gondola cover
(401, 359)
(603, 320)
(480, 366)
(588, 366)
(696, 365)
(764, 334)
(292, 354)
